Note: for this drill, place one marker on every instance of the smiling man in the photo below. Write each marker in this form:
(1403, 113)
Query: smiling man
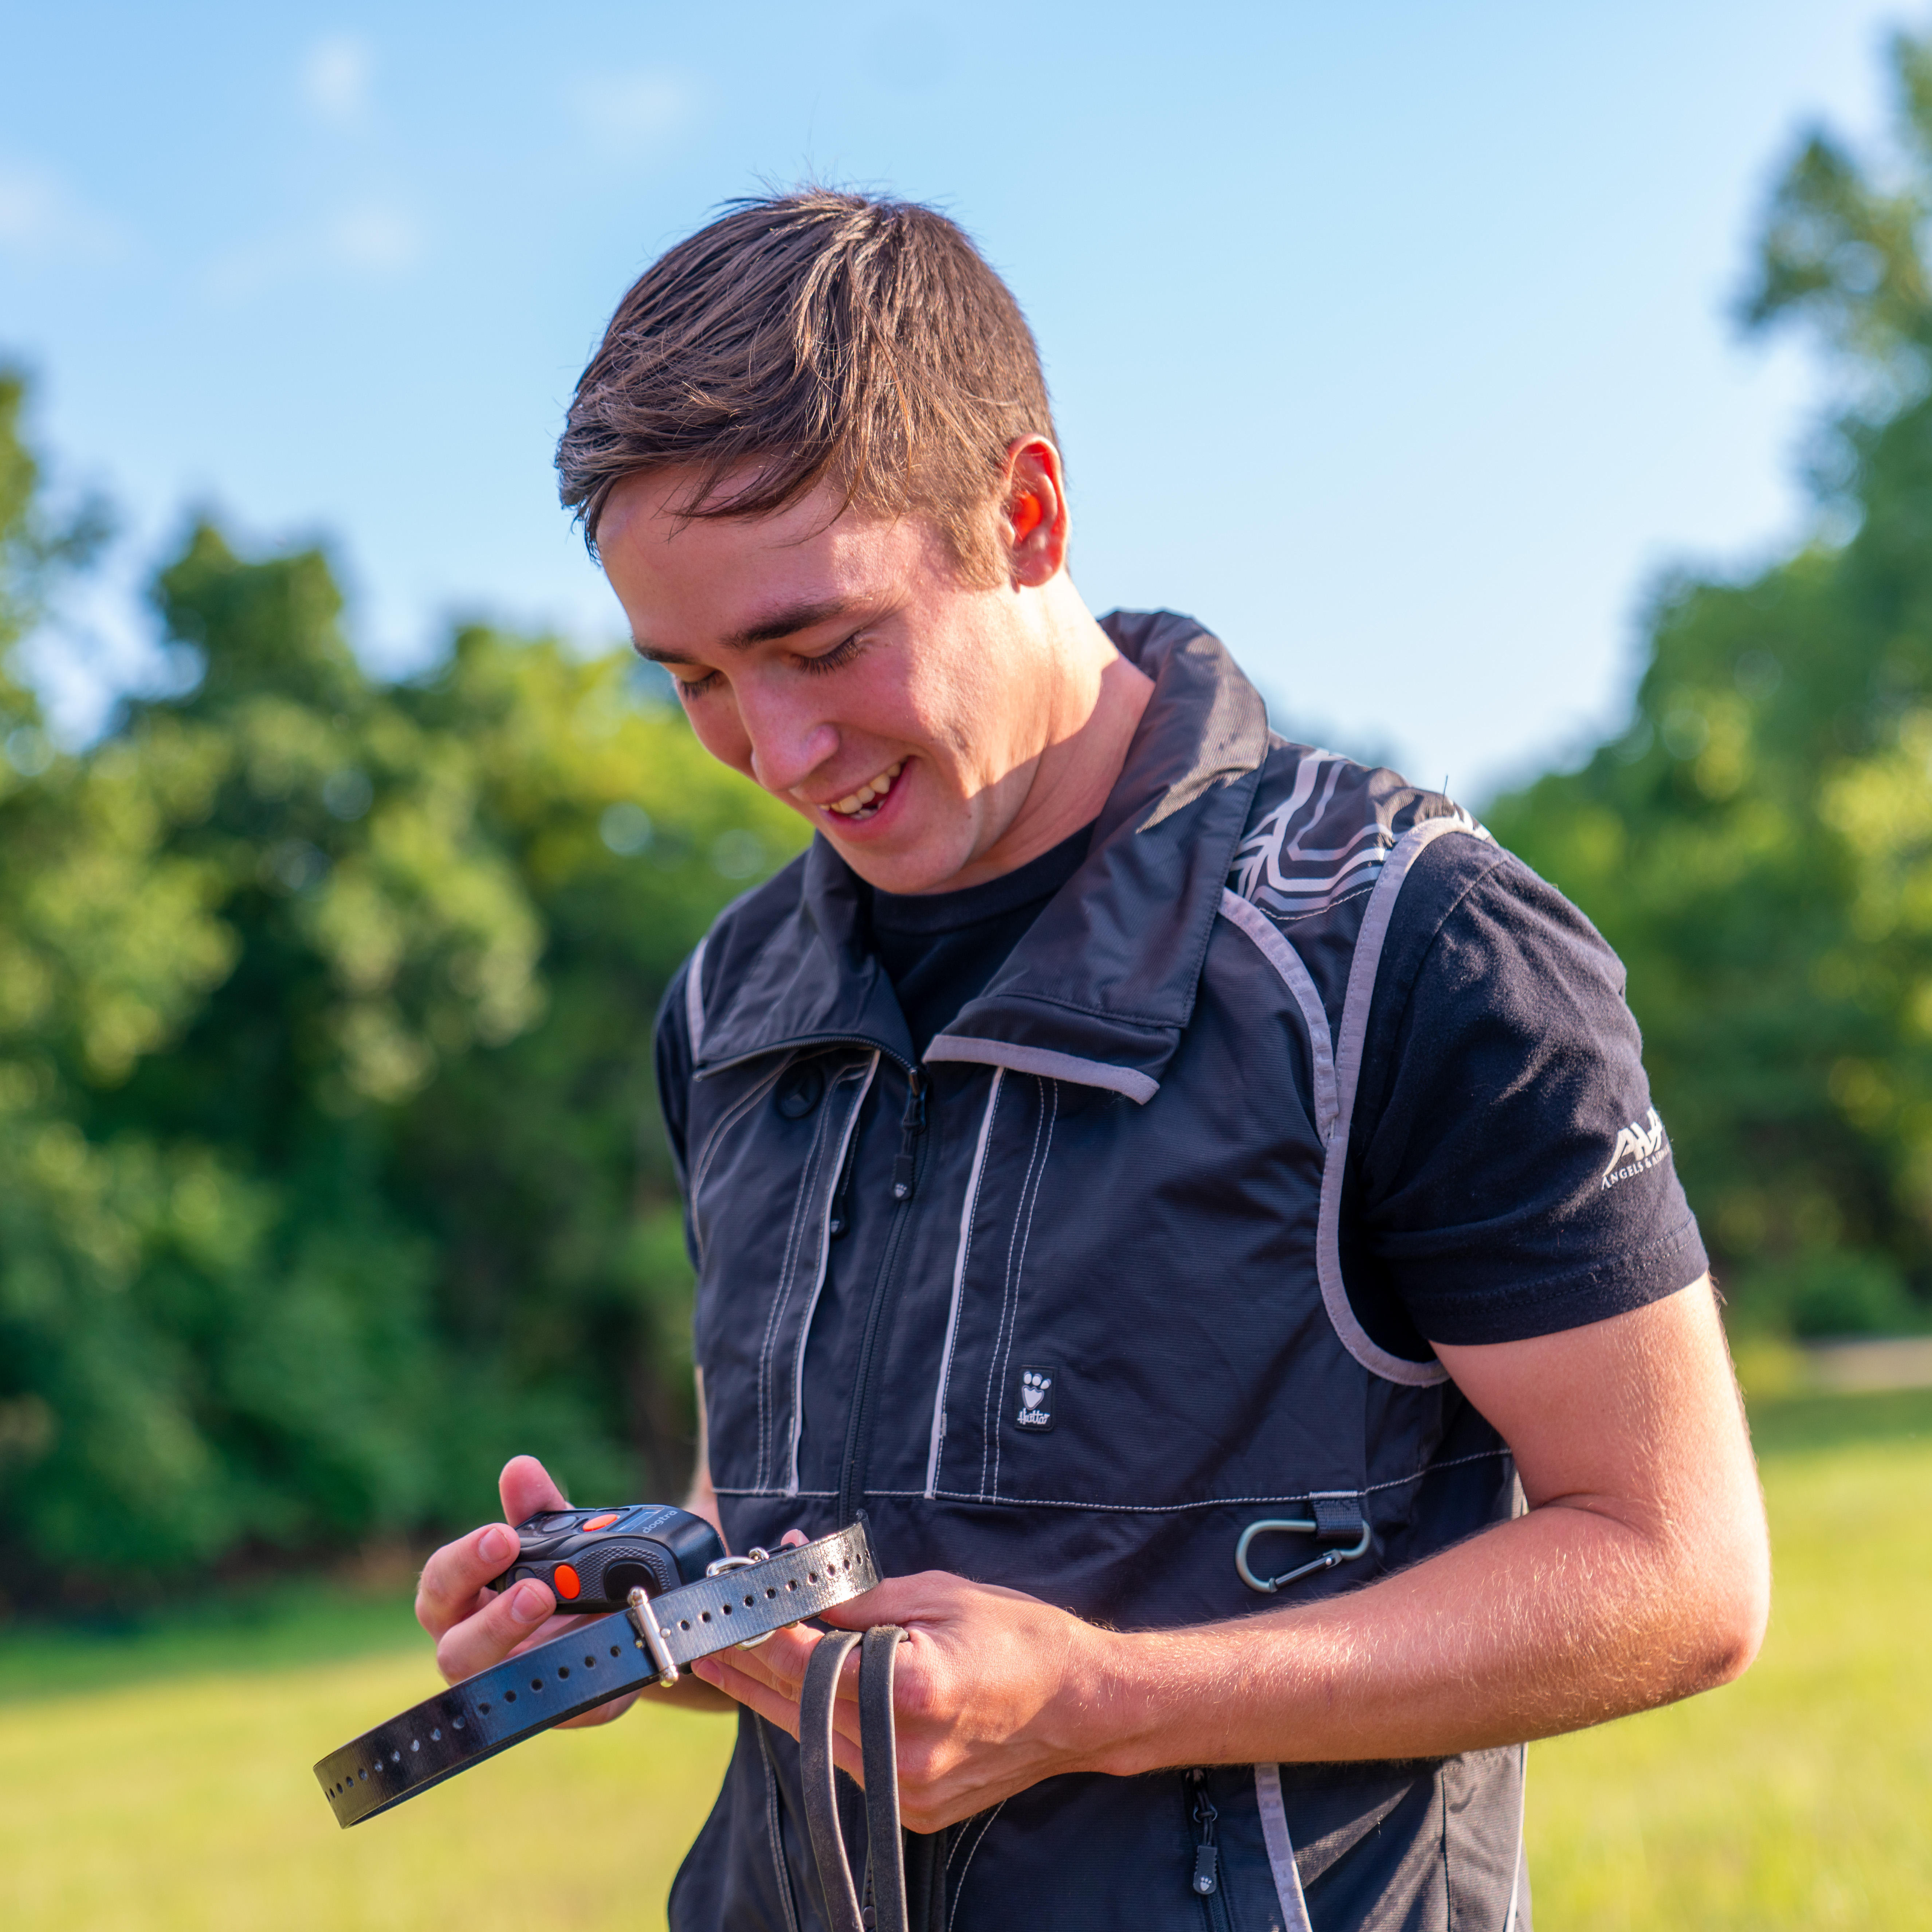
(1175, 1184)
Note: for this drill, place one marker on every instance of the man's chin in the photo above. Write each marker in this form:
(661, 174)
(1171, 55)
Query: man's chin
(906, 864)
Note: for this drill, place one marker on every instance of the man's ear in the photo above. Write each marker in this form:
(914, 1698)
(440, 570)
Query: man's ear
(1033, 520)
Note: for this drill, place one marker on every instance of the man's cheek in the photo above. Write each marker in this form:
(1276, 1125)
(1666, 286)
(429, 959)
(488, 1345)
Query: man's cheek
(716, 725)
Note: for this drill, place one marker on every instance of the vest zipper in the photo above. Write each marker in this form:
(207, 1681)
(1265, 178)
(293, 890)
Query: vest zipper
(912, 1125)
(1205, 1880)
(905, 1184)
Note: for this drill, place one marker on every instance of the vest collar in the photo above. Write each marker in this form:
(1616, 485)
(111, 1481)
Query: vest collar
(1100, 988)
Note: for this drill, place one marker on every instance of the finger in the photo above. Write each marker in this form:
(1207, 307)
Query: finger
(881, 1604)
(502, 1625)
(927, 1596)
(779, 1663)
(451, 1587)
(793, 1539)
(527, 1490)
(781, 1660)
(744, 1675)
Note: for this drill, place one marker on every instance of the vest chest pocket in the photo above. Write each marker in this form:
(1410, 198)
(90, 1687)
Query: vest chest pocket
(1132, 1329)
(779, 1142)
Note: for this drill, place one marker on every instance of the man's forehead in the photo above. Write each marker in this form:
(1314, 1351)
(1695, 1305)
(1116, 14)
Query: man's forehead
(734, 600)
(708, 582)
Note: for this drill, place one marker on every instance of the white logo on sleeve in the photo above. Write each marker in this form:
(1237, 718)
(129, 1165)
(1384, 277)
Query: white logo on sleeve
(1640, 1146)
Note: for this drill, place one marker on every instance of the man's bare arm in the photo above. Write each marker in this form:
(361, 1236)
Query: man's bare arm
(1640, 1574)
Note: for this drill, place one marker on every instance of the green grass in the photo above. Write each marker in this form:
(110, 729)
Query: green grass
(1801, 1796)
(186, 1804)
(154, 1778)
(268, 1628)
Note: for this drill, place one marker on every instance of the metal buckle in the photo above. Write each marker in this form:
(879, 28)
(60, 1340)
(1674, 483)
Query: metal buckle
(645, 1620)
(754, 1557)
(1299, 1526)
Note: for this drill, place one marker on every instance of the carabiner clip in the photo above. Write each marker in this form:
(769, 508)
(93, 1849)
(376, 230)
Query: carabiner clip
(1334, 1518)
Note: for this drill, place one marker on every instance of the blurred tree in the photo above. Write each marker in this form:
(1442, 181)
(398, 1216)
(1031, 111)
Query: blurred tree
(1758, 845)
(329, 1171)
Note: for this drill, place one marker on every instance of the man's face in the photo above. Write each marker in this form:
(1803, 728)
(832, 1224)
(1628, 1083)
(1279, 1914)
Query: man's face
(842, 664)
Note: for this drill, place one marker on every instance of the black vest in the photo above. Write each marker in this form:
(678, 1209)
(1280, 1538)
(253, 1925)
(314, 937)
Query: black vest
(1073, 1319)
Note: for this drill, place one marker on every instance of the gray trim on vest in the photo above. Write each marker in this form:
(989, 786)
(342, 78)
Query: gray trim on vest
(836, 1168)
(1521, 1815)
(714, 1140)
(1280, 1849)
(1286, 962)
(972, 1201)
(1137, 1086)
(693, 999)
(1351, 1035)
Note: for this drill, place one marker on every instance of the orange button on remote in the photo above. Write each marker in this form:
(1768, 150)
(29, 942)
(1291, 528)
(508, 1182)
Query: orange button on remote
(599, 1522)
(564, 1580)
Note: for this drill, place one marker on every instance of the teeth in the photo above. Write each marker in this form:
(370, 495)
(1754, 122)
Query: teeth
(856, 802)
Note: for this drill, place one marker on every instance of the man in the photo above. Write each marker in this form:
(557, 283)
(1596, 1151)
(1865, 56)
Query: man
(1120, 1129)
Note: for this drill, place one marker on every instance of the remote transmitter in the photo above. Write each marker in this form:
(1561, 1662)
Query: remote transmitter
(593, 1558)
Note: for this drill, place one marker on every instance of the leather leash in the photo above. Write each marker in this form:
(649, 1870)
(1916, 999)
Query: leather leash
(896, 1906)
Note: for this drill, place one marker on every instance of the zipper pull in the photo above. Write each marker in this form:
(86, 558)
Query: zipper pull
(912, 1124)
(1206, 1854)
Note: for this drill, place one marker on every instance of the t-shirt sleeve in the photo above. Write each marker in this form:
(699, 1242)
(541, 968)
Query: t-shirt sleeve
(1508, 1176)
(672, 1066)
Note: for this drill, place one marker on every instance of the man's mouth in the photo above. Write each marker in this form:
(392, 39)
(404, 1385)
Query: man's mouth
(864, 802)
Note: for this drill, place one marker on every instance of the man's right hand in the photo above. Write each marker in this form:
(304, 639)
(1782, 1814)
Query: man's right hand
(474, 1627)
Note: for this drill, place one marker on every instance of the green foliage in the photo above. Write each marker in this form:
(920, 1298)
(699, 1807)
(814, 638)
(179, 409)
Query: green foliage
(1758, 846)
(329, 1168)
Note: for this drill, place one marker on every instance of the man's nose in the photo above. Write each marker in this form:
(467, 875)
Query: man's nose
(788, 742)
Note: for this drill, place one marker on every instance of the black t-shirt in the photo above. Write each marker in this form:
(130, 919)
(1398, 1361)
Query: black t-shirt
(1477, 1206)
(941, 949)
(1507, 1175)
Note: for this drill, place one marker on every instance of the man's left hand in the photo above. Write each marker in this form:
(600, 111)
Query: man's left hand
(994, 1691)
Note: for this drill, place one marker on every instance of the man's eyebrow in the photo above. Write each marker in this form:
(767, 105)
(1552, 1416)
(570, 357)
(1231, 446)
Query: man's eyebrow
(786, 621)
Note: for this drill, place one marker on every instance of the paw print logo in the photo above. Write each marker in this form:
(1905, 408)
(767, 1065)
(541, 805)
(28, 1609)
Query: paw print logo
(1035, 1412)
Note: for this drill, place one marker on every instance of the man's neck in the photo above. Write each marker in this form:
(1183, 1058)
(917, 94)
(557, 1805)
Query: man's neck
(1101, 700)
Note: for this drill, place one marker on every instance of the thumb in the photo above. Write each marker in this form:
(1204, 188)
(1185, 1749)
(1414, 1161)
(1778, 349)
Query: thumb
(898, 1599)
(527, 1489)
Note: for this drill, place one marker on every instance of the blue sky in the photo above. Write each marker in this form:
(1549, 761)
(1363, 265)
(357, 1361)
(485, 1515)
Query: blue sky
(1391, 341)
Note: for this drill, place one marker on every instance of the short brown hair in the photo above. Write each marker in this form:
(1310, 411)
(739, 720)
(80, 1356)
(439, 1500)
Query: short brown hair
(819, 335)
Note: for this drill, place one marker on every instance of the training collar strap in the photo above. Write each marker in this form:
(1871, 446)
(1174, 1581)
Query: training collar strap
(587, 1666)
